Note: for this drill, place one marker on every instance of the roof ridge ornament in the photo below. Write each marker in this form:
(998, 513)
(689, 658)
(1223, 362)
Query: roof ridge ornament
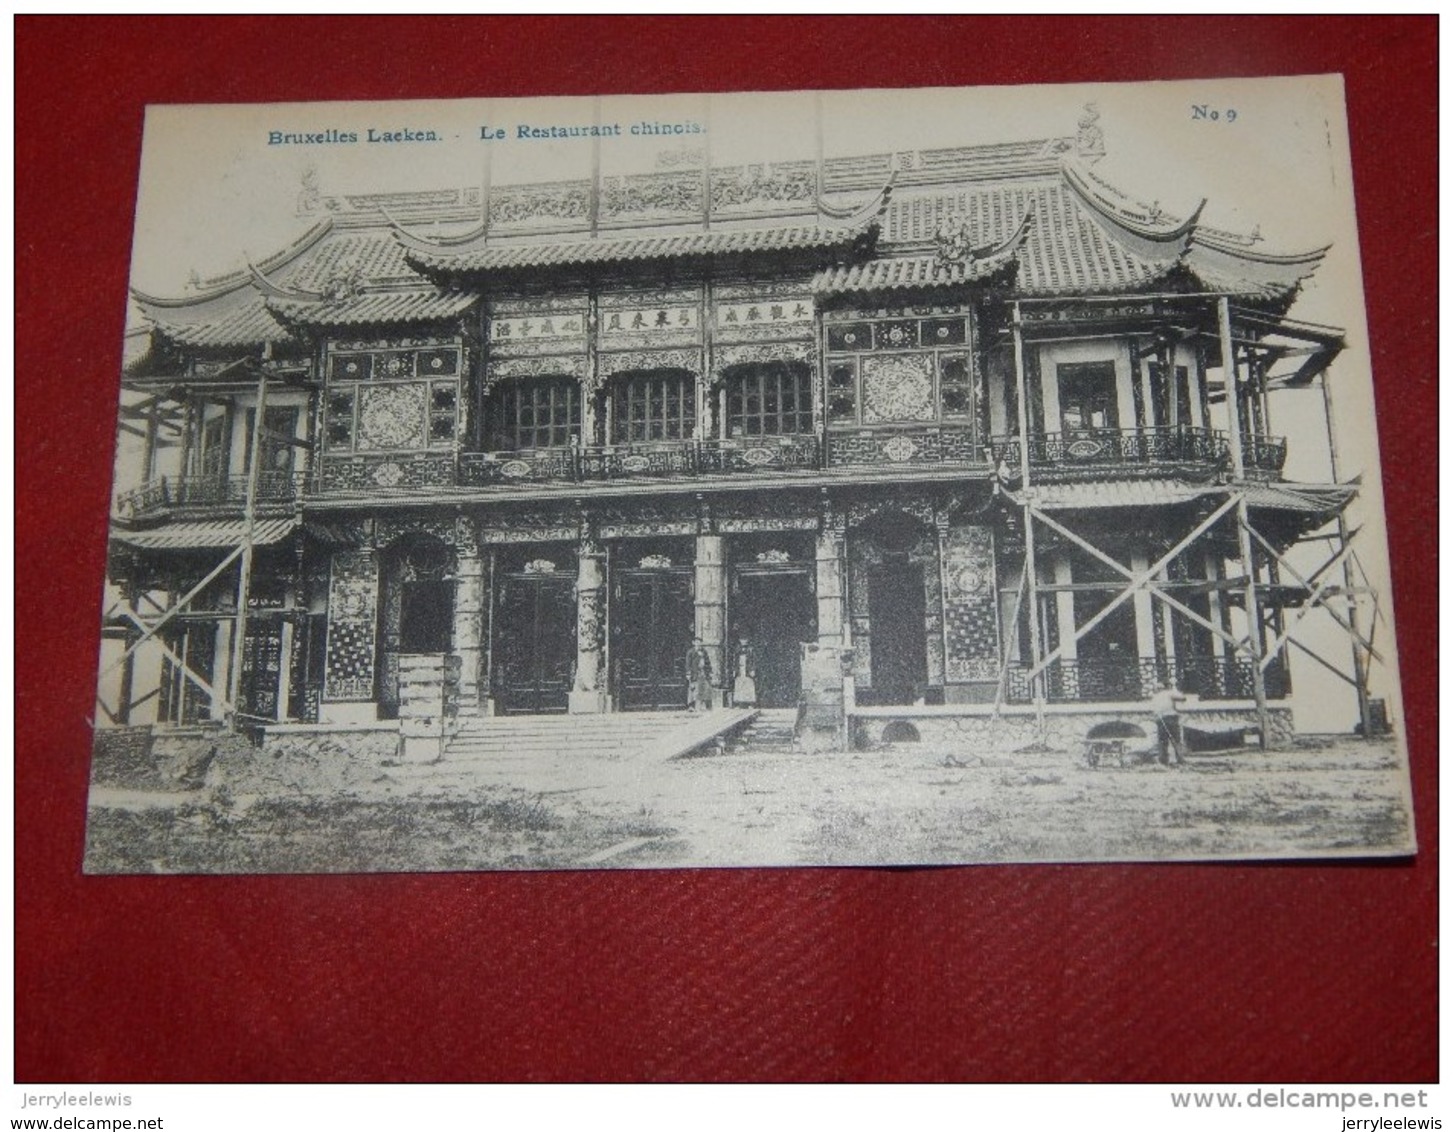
(1090, 141)
(344, 284)
(953, 244)
(310, 197)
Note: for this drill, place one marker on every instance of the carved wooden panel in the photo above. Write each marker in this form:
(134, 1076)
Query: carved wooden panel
(352, 616)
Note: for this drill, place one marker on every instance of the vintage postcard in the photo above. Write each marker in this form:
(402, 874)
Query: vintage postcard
(839, 478)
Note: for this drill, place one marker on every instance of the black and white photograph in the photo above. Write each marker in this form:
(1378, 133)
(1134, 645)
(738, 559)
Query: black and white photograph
(920, 477)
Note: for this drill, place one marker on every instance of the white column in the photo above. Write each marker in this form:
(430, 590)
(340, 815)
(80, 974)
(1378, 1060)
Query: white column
(1064, 609)
(831, 615)
(587, 693)
(711, 601)
(223, 659)
(469, 623)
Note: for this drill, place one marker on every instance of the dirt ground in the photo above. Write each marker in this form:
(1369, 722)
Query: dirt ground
(902, 805)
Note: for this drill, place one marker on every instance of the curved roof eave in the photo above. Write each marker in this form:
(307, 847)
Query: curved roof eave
(1144, 233)
(212, 289)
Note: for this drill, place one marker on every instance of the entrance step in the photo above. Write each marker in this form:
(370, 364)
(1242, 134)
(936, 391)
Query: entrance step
(501, 739)
(773, 732)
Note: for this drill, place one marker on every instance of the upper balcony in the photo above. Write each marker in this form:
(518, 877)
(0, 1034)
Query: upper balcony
(846, 453)
(1092, 453)
(184, 496)
(793, 454)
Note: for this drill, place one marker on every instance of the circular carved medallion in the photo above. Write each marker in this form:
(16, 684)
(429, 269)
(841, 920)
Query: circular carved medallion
(388, 475)
(968, 580)
(392, 417)
(899, 449)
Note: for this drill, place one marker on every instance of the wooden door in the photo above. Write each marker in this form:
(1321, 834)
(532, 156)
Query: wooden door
(898, 641)
(534, 643)
(651, 631)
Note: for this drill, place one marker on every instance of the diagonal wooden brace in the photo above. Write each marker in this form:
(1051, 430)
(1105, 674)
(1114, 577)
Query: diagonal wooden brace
(1137, 581)
(149, 629)
(186, 669)
(1323, 572)
(1238, 644)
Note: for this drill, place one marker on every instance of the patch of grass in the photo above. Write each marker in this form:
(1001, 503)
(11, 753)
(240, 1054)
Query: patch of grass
(339, 835)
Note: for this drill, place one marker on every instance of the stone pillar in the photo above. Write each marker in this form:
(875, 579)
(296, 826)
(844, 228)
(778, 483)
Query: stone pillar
(831, 615)
(711, 586)
(221, 675)
(469, 597)
(426, 704)
(588, 692)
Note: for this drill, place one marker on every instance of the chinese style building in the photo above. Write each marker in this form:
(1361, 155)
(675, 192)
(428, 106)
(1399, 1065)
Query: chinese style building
(975, 425)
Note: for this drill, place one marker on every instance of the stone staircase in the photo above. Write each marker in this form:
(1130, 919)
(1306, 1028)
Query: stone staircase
(771, 733)
(505, 738)
(568, 754)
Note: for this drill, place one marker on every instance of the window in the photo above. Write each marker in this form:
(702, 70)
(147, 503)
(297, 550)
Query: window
(955, 385)
(842, 392)
(658, 405)
(770, 399)
(214, 447)
(277, 444)
(338, 418)
(533, 413)
(1087, 397)
(1160, 392)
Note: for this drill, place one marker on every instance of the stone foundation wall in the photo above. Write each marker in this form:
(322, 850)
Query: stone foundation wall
(122, 756)
(1065, 731)
(315, 760)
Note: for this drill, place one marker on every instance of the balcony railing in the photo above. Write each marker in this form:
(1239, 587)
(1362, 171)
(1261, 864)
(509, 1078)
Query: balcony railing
(1135, 679)
(226, 493)
(1103, 448)
(624, 461)
(1128, 450)
(889, 447)
(904, 446)
(1265, 453)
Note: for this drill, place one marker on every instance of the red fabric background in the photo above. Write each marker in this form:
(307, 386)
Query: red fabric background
(1229, 972)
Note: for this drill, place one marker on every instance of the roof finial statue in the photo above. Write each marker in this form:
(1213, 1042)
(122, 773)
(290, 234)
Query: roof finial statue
(1091, 139)
(345, 283)
(310, 198)
(953, 241)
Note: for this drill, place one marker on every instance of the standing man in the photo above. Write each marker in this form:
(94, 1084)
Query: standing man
(698, 676)
(744, 687)
(1166, 706)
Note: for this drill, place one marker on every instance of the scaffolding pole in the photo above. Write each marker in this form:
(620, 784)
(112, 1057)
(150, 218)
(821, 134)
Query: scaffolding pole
(244, 569)
(1359, 664)
(1031, 573)
(1238, 474)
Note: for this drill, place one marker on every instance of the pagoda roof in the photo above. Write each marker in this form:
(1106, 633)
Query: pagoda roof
(1079, 237)
(620, 249)
(373, 309)
(246, 324)
(1031, 219)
